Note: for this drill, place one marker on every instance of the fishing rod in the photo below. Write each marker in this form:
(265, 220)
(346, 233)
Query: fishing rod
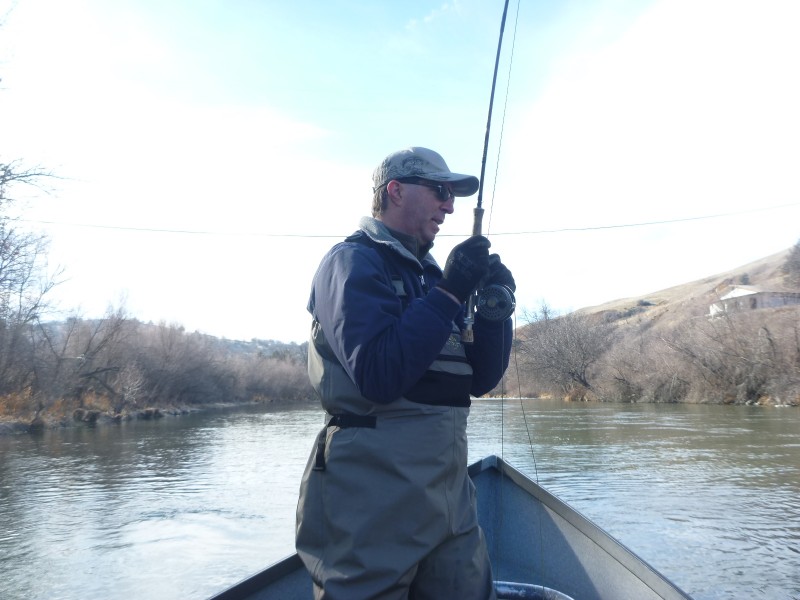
(494, 302)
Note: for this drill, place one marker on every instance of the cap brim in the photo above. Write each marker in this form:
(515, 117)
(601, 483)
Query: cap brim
(462, 185)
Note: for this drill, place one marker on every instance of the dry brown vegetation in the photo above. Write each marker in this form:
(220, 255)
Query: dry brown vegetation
(664, 347)
(118, 368)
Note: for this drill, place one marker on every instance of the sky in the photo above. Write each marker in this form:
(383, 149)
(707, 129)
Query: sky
(208, 153)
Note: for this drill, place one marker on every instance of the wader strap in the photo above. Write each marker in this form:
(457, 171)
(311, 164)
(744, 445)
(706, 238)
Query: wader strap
(342, 422)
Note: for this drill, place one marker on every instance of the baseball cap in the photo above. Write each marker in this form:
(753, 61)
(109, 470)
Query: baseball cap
(426, 164)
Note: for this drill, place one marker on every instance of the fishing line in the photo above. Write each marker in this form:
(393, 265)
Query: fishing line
(477, 231)
(498, 299)
(440, 235)
(528, 429)
(503, 120)
(494, 302)
(182, 231)
(467, 336)
(479, 216)
(650, 223)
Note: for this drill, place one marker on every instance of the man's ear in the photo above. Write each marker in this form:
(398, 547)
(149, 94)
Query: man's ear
(395, 192)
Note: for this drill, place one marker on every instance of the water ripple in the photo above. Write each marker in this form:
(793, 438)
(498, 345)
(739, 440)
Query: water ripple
(708, 495)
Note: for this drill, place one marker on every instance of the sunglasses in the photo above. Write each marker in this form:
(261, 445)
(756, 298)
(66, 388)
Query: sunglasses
(442, 192)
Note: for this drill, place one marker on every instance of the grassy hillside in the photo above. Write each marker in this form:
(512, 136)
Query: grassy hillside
(694, 298)
(665, 347)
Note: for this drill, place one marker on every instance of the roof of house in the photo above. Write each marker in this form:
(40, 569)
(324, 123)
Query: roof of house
(741, 290)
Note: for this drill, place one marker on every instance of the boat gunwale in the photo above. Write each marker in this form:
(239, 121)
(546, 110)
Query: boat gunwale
(253, 584)
(607, 542)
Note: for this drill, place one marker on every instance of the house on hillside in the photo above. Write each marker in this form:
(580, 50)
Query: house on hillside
(748, 297)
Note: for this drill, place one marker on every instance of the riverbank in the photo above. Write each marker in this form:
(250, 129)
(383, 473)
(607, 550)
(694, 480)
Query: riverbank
(60, 417)
(84, 417)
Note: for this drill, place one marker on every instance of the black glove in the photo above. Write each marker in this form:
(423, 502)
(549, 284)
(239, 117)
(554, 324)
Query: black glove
(499, 274)
(466, 266)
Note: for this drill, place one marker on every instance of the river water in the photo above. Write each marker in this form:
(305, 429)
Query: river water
(184, 507)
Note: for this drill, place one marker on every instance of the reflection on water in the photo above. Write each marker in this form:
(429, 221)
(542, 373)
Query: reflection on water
(182, 508)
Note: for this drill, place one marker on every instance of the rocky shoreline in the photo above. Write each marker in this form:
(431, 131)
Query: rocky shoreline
(86, 417)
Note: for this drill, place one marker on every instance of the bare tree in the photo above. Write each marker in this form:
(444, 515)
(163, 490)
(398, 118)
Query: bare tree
(185, 368)
(24, 284)
(80, 360)
(639, 367)
(740, 358)
(562, 350)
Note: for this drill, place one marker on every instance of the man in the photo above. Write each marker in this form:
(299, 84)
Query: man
(387, 510)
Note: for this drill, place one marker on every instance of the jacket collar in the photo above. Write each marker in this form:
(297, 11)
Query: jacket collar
(405, 245)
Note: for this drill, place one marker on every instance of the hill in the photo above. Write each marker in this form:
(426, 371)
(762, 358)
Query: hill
(694, 298)
(666, 347)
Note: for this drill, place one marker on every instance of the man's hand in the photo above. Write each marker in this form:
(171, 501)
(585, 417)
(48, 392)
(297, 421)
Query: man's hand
(499, 274)
(466, 266)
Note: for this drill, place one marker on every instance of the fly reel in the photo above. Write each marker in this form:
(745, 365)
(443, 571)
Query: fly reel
(495, 303)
